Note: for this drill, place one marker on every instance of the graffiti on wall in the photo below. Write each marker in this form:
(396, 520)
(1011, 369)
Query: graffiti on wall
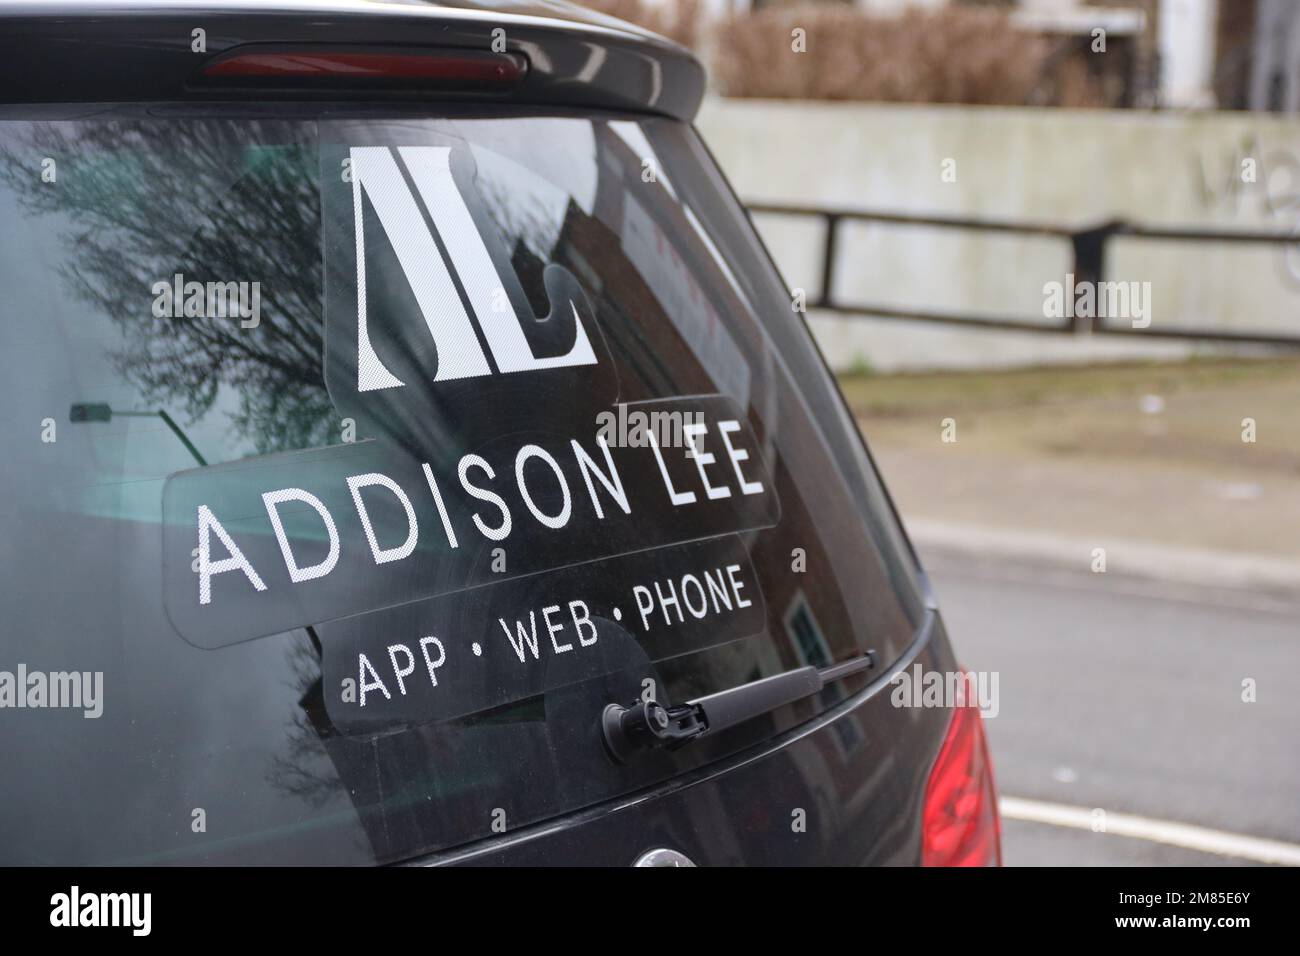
(1261, 184)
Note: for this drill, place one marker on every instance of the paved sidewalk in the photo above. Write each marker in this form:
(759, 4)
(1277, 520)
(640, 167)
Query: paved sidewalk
(1187, 565)
(1147, 463)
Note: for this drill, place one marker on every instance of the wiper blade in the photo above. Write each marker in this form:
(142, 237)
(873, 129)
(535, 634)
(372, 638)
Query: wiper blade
(649, 725)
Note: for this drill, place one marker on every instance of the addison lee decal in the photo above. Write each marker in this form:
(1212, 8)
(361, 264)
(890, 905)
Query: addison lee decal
(282, 541)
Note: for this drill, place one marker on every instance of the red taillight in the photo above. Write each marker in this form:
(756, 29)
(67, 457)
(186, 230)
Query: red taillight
(959, 826)
(306, 67)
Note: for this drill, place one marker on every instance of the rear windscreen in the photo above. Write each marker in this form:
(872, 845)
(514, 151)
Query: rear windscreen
(354, 463)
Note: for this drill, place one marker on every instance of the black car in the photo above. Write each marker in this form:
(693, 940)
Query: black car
(411, 454)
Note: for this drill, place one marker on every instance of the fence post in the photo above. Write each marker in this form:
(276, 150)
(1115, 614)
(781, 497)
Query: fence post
(828, 260)
(1089, 265)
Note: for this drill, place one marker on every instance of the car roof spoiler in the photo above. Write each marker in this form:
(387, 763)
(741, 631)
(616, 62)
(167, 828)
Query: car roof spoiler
(138, 51)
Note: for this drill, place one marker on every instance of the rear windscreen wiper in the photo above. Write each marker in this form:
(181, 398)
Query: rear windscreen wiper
(649, 725)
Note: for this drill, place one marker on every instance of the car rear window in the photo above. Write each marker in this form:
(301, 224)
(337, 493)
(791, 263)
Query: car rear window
(356, 460)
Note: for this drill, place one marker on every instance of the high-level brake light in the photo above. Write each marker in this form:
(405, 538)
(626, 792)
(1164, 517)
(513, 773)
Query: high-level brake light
(304, 67)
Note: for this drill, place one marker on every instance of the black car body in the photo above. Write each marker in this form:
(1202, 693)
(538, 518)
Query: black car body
(590, 562)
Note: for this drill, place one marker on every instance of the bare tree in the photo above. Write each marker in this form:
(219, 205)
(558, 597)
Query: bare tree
(213, 200)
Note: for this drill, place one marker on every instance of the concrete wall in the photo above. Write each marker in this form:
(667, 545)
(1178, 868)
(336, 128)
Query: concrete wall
(1059, 166)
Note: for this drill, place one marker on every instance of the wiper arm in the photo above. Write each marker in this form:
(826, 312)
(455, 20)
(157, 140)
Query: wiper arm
(649, 725)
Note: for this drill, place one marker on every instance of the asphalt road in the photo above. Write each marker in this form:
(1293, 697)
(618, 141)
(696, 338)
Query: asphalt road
(1125, 694)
